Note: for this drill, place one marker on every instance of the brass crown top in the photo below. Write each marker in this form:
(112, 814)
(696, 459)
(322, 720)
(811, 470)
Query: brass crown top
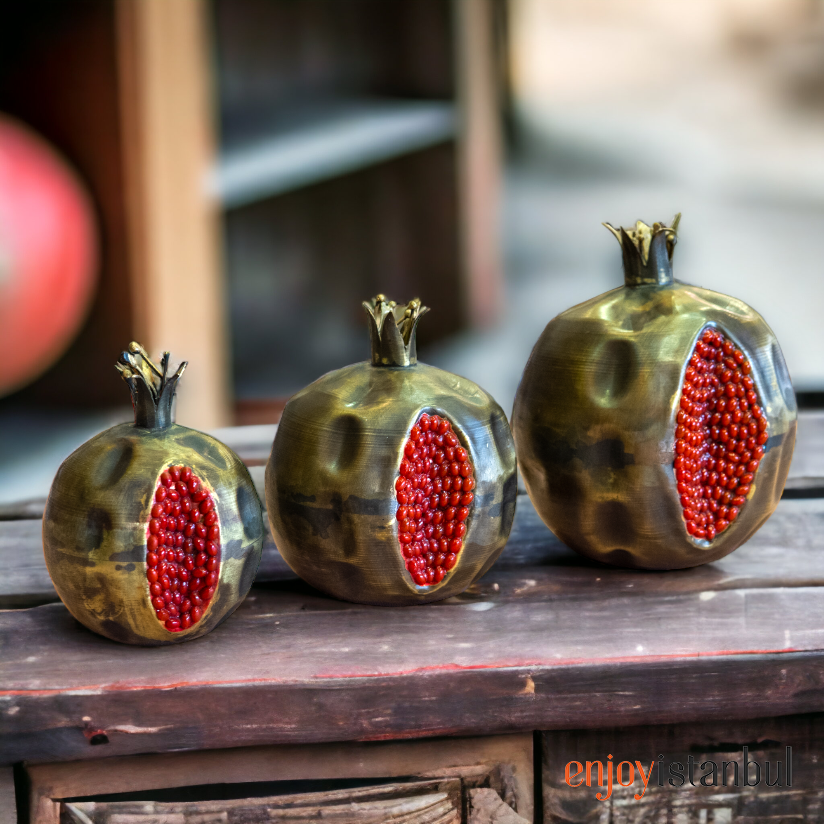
(392, 330)
(153, 390)
(647, 252)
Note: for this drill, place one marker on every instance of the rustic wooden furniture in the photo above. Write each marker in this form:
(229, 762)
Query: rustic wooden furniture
(256, 162)
(297, 689)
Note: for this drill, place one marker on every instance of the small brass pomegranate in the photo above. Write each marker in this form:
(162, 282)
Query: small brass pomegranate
(391, 482)
(655, 424)
(152, 531)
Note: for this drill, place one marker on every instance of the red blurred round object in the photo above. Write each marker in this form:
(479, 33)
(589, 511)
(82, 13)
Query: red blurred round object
(48, 255)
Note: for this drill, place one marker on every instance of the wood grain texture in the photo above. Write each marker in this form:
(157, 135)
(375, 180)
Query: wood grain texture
(487, 807)
(25, 581)
(420, 802)
(290, 668)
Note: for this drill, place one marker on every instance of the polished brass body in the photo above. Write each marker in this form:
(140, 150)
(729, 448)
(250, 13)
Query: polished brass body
(95, 524)
(330, 481)
(594, 416)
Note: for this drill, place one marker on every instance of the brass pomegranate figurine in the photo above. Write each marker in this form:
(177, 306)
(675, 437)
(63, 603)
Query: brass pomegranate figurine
(391, 482)
(655, 424)
(152, 531)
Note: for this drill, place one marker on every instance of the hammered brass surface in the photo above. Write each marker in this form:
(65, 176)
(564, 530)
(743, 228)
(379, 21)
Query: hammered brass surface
(330, 481)
(94, 528)
(98, 511)
(594, 418)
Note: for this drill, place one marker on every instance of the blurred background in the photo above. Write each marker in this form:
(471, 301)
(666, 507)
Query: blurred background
(229, 179)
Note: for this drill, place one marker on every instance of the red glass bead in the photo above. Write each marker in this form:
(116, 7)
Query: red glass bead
(720, 435)
(178, 528)
(434, 499)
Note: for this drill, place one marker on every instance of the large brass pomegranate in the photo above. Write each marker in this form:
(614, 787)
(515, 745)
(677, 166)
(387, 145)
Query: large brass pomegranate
(655, 424)
(152, 531)
(391, 482)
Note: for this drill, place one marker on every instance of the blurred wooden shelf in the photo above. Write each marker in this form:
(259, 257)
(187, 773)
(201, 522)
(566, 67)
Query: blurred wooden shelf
(358, 153)
(259, 168)
(337, 138)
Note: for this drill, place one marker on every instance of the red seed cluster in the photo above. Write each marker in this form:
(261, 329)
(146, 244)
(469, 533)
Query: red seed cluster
(435, 497)
(182, 549)
(720, 435)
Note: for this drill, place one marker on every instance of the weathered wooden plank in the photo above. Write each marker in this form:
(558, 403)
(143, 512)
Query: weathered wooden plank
(30, 509)
(274, 674)
(787, 552)
(487, 807)
(806, 478)
(413, 802)
(803, 488)
(25, 581)
(808, 458)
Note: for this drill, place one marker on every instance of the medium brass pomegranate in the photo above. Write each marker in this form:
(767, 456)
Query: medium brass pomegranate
(152, 531)
(391, 482)
(655, 424)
